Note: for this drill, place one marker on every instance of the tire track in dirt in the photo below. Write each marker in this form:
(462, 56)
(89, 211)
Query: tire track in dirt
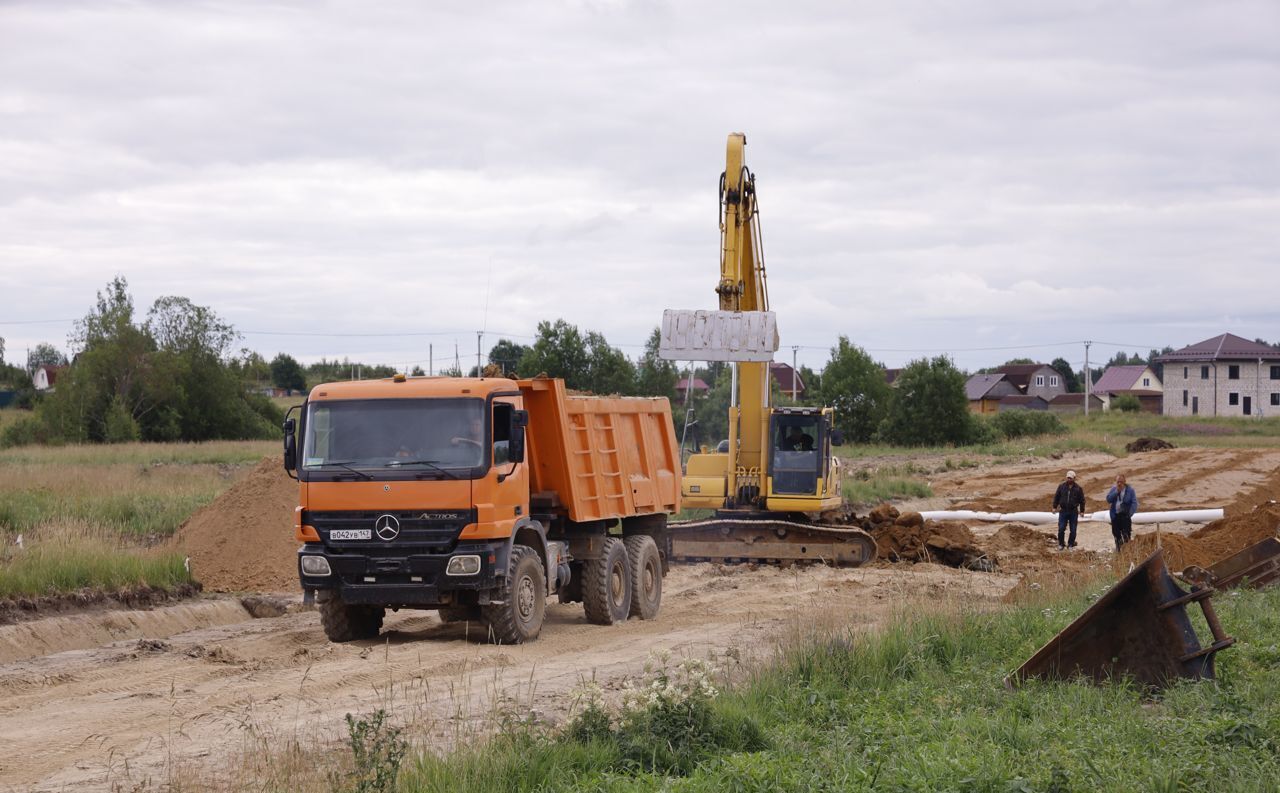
(209, 693)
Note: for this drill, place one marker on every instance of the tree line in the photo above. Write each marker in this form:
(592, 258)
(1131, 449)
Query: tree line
(175, 374)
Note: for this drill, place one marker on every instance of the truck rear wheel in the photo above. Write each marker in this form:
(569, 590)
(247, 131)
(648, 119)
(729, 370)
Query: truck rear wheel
(606, 584)
(646, 576)
(346, 623)
(518, 618)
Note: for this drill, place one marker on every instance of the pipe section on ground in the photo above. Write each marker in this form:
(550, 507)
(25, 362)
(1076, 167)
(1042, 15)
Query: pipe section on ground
(1101, 516)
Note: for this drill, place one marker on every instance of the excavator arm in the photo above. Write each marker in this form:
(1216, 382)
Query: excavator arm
(762, 514)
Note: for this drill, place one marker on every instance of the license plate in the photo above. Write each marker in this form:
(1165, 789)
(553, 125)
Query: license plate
(350, 534)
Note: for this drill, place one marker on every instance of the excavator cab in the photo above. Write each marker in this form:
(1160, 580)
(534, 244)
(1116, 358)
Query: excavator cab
(797, 465)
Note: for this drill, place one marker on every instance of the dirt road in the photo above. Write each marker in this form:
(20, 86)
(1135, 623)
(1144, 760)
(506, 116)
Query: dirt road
(131, 712)
(133, 700)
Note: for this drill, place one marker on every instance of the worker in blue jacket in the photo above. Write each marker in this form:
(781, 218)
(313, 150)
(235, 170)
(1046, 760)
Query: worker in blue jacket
(1124, 502)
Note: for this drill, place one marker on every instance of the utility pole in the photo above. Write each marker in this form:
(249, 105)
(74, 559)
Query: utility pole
(795, 373)
(431, 360)
(1088, 378)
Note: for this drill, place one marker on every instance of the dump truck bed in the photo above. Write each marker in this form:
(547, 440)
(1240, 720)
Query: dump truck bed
(601, 458)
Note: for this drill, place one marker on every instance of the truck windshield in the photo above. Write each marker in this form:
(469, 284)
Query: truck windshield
(426, 434)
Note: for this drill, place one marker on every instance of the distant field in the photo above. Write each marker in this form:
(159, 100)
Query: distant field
(89, 515)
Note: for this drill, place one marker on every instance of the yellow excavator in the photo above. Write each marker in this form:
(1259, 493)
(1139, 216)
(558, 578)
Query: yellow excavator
(776, 488)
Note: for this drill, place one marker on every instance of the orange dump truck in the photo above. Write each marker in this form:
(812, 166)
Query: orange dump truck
(480, 497)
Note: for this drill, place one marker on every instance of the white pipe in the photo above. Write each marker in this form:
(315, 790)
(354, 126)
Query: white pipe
(1102, 516)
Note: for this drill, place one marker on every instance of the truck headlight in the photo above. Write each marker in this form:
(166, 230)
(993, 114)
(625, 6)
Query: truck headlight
(316, 565)
(463, 565)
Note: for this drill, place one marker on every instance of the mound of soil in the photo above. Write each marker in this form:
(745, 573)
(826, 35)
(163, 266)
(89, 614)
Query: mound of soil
(928, 541)
(1147, 445)
(1206, 545)
(244, 541)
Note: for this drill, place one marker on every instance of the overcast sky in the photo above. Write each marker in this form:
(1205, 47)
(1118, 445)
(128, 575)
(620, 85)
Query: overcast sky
(933, 177)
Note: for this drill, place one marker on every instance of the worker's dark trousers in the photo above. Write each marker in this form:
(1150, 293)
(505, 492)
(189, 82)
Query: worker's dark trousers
(1063, 520)
(1121, 529)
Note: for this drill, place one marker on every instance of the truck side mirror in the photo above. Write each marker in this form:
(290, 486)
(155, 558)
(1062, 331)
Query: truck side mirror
(519, 420)
(837, 438)
(290, 445)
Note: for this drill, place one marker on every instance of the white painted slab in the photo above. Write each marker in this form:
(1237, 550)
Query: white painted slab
(718, 335)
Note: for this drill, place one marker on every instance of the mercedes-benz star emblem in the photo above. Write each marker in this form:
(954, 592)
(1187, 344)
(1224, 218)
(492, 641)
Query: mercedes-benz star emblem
(387, 527)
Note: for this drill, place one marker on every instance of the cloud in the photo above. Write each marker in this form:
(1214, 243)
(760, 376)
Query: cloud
(932, 178)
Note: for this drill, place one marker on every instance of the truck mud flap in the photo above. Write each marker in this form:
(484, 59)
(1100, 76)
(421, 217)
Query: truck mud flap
(732, 540)
(1139, 630)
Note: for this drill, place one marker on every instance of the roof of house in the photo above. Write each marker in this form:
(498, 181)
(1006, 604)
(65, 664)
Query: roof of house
(1073, 399)
(698, 384)
(783, 373)
(1020, 373)
(976, 387)
(891, 374)
(1226, 347)
(50, 372)
(1021, 399)
(1119, 378)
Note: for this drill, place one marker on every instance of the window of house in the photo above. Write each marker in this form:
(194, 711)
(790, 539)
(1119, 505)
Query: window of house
(1275, 399)
(1204, 373)
(1184, 398)
(1053, 380)
(1146, 381)
(1039, 379)
(1233, 398)
(1185, 376)
(1275, 373)
(1233, 372)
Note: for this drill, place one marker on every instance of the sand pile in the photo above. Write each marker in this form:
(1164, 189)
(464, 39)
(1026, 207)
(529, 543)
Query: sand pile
(243, 541)
(1206, 545)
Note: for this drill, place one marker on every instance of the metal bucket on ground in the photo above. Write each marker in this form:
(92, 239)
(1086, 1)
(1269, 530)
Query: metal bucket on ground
(1139, 629)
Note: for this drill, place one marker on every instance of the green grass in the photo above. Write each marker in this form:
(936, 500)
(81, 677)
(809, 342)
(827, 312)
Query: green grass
(140, 515)
(921, 706)
(208, 453)
(79, 557)
(878, 489)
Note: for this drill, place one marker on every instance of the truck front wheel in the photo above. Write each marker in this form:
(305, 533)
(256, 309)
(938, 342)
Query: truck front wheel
(518, 618)
(646, 576)
(344, 623)
(606, 584)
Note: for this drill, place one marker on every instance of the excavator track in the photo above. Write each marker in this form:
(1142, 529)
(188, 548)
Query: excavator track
(769, 541)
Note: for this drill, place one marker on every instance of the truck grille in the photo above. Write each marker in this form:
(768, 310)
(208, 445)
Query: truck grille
(418, 531)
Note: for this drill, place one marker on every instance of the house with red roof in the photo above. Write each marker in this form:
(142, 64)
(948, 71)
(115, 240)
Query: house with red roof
(1137, 380)
(1224, 376)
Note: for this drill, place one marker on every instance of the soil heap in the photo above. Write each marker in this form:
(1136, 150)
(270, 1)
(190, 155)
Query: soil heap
(907, 537)
(244, 541)
(1206, 545)
(1147, 445)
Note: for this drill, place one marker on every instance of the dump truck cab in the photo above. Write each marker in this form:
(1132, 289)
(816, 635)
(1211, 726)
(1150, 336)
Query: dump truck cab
(419, 493)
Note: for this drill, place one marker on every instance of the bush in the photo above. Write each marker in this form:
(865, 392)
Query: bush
(1127, 403)
(118, 425)
(24, 432)
(1019, 423)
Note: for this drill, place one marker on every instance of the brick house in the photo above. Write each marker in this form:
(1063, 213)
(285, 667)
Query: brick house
(789, 380)
(1035, 379)
(1223, 376)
